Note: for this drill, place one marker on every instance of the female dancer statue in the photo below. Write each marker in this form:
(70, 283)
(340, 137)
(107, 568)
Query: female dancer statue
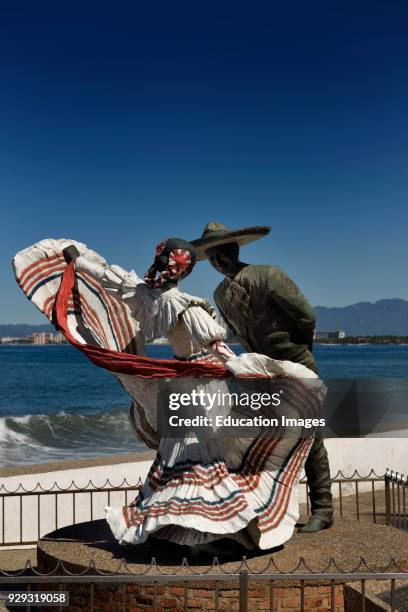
(199, 488)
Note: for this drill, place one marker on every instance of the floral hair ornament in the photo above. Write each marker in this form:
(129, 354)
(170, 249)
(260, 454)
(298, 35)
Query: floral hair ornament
(174, 260)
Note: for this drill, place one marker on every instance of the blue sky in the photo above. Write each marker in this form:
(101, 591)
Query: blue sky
(122, 123)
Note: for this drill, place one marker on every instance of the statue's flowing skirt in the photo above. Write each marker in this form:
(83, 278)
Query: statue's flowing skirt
(207, 486)
(200, 487)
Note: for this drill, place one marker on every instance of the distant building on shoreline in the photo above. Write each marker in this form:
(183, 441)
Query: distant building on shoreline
(329, 335)
(39, 338)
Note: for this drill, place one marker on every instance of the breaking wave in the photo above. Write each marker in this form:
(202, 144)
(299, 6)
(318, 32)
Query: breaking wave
(35, 438)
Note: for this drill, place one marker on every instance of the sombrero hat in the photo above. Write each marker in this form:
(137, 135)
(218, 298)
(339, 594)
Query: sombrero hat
(215, 234)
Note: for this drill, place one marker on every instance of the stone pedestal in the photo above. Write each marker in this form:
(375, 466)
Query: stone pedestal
(79, 545)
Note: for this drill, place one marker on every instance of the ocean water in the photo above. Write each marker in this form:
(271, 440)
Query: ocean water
(55, 404)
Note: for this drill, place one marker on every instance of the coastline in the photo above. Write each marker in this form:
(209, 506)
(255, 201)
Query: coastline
(75, 464)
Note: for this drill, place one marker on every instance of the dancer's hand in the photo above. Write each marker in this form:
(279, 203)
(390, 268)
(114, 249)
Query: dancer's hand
(70, 253)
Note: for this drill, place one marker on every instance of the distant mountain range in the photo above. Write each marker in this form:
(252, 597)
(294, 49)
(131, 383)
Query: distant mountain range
(365, 318)
(20, 330)
(385, 317)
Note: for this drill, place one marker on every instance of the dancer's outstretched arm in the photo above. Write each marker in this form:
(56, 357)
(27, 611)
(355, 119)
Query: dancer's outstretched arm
(127, 286)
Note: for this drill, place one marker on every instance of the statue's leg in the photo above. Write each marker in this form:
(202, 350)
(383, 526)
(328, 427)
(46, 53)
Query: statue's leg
(318, 476)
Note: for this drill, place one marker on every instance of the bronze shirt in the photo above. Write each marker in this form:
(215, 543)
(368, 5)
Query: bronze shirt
(268, 314)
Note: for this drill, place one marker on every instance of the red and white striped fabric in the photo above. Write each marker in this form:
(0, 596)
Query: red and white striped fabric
(94, 316)
(197, 490)
(242, 488)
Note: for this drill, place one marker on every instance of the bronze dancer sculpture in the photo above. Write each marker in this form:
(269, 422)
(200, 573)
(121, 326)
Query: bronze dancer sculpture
(268, 314)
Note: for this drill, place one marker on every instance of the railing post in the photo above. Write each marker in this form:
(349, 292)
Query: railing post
(387, 500)
(243, 591)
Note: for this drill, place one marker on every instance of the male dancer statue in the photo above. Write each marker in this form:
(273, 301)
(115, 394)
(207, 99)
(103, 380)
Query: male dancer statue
(268, 314)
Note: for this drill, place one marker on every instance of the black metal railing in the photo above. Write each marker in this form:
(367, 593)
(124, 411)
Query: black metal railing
(372, 497)
(396, 491)
(355, 496)
(340, 584)
(20, 514)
